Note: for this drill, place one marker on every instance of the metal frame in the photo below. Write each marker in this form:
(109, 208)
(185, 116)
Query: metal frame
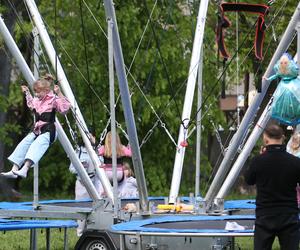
(128, 112)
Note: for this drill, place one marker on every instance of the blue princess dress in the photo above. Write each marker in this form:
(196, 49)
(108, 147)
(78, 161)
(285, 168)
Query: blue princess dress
(286, 103)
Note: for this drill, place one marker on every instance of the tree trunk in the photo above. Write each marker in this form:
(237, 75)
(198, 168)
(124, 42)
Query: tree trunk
(5, 73)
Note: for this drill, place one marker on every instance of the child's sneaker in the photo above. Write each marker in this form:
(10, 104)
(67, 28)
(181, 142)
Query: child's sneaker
(22, 172)
(9, 175)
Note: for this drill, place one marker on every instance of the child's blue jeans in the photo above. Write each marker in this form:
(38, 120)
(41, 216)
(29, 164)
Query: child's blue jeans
(32, 148)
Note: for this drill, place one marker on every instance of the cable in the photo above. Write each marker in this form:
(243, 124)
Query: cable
(162, 60)
(86, 62)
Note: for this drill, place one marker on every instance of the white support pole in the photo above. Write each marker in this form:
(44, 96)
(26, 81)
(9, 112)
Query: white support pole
(14, 50)
(128, 112)
(188, 101)
(198, 138)
(239, 163)
(110, 27)
(36, 65)
(69, 94)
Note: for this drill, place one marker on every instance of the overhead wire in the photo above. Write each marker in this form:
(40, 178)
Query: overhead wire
(19, 22)
(86, 62)
(128, 69)
(161, 57)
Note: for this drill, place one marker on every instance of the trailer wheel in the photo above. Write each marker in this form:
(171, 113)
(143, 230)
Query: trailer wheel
(97, 244)
(95, 240)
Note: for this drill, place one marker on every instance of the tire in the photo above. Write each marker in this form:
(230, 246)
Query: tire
(96, 240)
(95, 244)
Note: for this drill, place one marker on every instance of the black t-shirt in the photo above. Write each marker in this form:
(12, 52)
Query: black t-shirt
(276, 174)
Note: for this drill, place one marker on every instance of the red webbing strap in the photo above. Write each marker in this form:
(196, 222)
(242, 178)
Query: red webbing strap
(259, 9)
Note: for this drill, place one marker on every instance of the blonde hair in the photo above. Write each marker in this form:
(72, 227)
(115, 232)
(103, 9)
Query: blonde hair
(126, 166)
(107, 146)
(44, 83)
(295, 143)
(283, 69)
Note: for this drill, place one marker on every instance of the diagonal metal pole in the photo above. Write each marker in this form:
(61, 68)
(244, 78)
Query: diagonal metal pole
(239, 163)
(188, 101)
(251, 112)
(128, 112)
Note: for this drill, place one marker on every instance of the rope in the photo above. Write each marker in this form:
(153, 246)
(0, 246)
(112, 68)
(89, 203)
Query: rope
(55, 39)
(162, 59)
(86, 62)
(143, 34)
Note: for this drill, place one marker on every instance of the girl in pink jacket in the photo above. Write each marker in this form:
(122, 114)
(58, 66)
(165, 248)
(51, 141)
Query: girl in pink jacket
(106, 152)
(44, 105)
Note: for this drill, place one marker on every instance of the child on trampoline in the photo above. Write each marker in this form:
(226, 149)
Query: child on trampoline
(106, 152)
(129, 188)
(44, 105)
(286, 103)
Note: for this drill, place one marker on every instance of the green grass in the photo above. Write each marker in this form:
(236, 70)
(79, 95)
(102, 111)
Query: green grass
(19, 240)
(246, 243)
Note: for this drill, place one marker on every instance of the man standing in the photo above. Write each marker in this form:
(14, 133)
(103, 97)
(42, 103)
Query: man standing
(276, 174)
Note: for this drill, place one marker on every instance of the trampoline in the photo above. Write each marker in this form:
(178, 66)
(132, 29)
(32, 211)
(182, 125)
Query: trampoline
(184, 232)
(187, 225)
(7, 225)
(32, 225)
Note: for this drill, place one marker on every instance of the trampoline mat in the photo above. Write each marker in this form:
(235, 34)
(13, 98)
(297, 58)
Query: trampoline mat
(200, 224)
(88, 204)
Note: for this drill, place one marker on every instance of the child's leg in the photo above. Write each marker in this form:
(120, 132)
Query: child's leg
(23, 171)
(18, 156)
(10, 174)
(38, 148)
(35, 152)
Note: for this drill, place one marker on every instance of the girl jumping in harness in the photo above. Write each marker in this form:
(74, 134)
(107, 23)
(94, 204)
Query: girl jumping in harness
(106, 152)
(44, 105)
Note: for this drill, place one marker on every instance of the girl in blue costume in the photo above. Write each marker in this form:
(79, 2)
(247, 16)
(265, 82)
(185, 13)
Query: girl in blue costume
(286, 103)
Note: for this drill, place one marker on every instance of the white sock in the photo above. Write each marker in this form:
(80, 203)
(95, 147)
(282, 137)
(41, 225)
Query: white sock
(15, 167)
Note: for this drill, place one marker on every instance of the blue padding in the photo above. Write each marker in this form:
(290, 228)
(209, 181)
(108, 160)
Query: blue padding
(139, 225)
(6, 225)
(28, 204)
(240, 204)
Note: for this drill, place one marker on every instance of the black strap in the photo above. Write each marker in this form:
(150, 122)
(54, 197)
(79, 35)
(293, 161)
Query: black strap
(223, 91)
(223, 22)
(108, 160)
(48, 117)
(45, 116)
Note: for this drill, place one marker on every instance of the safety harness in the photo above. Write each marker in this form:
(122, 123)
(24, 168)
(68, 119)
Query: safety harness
(107, 166)
(48, 117)
(260, 9)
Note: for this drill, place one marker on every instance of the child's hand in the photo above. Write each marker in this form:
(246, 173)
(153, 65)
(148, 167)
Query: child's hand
(57, 89)
(265, 78)
(263, 149)
(24, 88)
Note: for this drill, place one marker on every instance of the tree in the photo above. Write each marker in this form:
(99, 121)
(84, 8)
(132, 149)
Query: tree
(9, 18)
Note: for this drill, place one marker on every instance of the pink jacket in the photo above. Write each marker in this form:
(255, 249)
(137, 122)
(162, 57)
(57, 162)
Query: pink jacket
(49, 102)
(125, 150)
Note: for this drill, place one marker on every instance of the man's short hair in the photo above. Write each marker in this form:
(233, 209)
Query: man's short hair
(274, 131)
